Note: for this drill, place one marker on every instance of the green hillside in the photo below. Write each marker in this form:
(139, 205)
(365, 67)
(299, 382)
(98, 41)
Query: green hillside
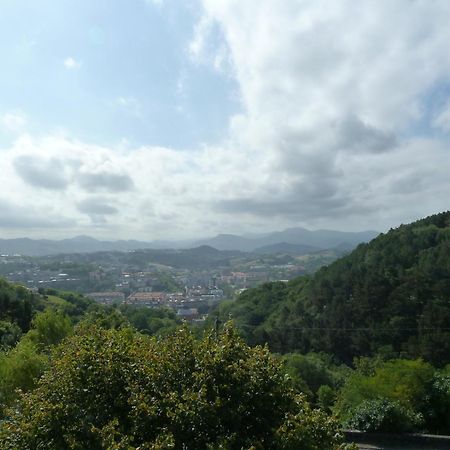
(389, 297)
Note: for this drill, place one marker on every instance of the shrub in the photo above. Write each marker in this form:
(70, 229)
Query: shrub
(383, 415)
(437, 413)
(326, 396)
(117, 389)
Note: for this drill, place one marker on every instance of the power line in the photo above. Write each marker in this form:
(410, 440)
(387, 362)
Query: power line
(238, 325)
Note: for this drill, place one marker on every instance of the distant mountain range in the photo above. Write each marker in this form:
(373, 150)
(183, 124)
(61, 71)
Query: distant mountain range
(290, 241)
(78, 244)
(306, 239)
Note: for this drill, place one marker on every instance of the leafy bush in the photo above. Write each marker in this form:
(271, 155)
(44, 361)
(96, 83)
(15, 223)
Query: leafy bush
(326, 396)
(21, 366)
(153, 321)
(19, 369)
(49, 328)
(412, 388)
(403, 381)
(437, 414)
(117, 389)
(308, 372)
(383, 415)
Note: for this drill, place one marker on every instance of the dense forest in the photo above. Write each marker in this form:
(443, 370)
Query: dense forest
(363, 344)
(389, 297)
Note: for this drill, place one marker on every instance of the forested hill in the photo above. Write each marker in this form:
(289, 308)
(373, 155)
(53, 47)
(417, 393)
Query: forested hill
(19, 305)
(390, 296)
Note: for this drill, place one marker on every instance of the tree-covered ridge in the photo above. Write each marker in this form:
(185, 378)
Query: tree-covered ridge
(390, 296)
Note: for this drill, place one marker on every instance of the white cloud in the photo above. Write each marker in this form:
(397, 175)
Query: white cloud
(312, 60)
(329, 91)
(71, 63)
(154, 192)
(13, 121)
(69, 175)
(326, 86)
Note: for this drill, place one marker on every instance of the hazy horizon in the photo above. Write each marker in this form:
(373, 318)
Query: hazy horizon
(189, 239)
(165, 120)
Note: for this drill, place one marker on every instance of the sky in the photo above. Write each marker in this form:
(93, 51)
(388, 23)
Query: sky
(178, 119)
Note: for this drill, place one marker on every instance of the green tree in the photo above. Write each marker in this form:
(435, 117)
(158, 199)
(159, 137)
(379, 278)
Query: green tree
(49, 328)
(19, 369)
(117, 389)
(383, 415)
(17, 304)
(326, 396)
(151, 320)
(412, 390)
(9, 334)
(308, 372)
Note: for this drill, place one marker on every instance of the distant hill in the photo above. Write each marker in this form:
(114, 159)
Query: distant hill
(319, 239)
(79, 244)
(202, 257)
(390, 296)
(231, 242)
(288, 249)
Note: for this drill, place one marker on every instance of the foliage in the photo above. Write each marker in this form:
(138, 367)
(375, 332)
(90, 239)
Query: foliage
(17, 304)
(117, 389)
(398, 380)
(9, 334)
(252, 308)
(437, 413)
(21, 366)
(307, 429)
(309, 372)
(326, 396)
(19, 369)
(383, 415)
(49, 328)
(153, 321)
(390, 296)
(413, 394)
(71, 304)
(106, 317)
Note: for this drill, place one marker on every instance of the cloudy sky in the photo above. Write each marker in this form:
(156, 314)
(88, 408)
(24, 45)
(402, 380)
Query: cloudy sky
(171, 119)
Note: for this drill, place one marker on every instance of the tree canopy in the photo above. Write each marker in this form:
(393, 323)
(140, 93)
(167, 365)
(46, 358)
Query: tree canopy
(390, 296)
(118, 389)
